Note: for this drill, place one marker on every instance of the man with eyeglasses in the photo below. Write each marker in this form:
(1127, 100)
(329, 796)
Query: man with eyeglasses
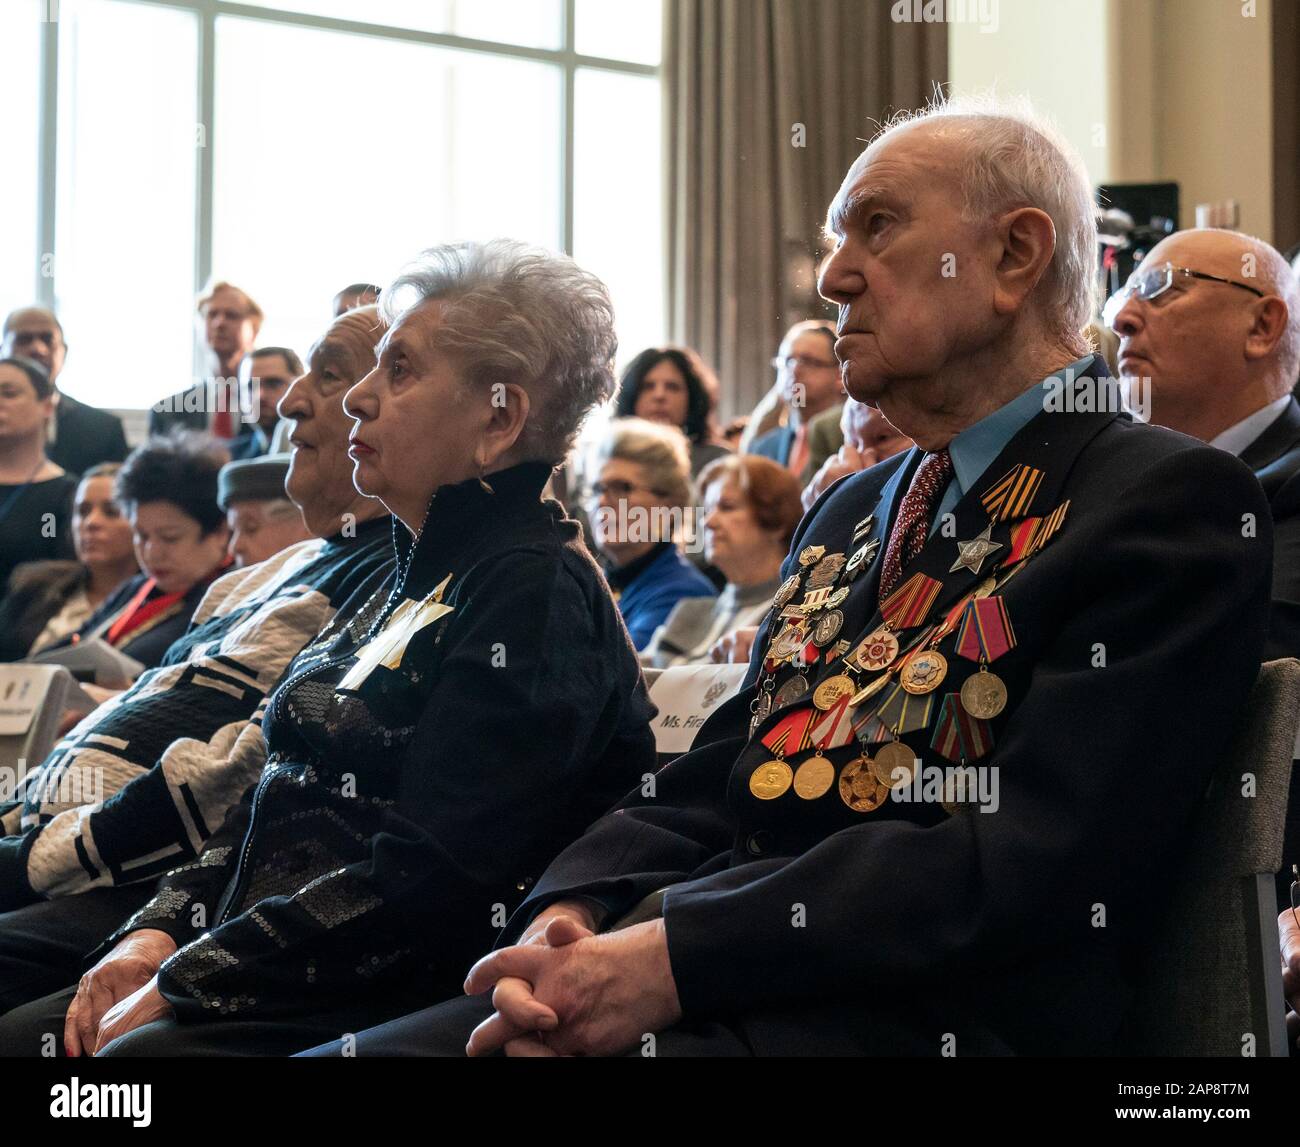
(1209, 328)
(809, 379)
(273, 369)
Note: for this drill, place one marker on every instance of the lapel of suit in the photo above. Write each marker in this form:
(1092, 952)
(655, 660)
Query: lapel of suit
(1050, 442)
(1280, 437)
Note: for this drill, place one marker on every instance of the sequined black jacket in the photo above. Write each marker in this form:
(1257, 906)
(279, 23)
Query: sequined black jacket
(396, 823)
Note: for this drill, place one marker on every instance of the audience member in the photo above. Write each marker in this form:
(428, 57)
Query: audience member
(168, 488)
(808, 378)
(751, 508)
(953, 683)
(868, 439)
(1209, 327)
(273, 368)
(263, 520)
(637, 508)
(354, 296)
(78, 436)
(35, 493)
(49, 600)
(231, 320)
(165, 762)
(428, 758)
(673, 387)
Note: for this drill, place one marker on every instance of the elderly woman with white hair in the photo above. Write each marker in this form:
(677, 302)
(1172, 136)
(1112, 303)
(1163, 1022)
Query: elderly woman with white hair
(638, 506)
(431, 754)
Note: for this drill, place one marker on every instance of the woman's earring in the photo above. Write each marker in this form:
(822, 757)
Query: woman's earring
(483, 485)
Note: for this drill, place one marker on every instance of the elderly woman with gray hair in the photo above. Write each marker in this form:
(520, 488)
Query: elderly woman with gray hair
(637, 507)
(432, 753)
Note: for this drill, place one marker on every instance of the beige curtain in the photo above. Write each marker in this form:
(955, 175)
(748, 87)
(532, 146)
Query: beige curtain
(766, 105)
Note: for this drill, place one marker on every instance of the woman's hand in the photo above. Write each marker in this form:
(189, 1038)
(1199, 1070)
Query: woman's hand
(140, 1008)
(734, 647)
(131, 965)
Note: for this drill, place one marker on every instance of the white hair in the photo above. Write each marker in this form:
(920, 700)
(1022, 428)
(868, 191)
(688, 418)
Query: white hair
(517, 314)
(1016, 158)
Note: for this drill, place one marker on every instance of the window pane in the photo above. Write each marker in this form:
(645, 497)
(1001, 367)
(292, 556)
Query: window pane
(20, 59)
(532, 23)
(618, 199)
(340, 157)
(124, 242)
(628, 30)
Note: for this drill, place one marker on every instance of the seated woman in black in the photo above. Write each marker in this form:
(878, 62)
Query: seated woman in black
(168, 489)
(430, 756)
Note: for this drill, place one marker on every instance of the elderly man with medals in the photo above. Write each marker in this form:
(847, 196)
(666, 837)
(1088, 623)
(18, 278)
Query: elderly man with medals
(982, 709)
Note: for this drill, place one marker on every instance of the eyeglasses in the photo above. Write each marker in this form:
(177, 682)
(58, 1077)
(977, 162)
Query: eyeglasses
(615, 488)
(792, 360)
(1150, 283)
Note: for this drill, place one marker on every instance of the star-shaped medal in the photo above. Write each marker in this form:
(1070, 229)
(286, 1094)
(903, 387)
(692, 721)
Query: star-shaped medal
(975, 551)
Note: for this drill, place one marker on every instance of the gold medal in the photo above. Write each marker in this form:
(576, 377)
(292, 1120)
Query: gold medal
(791, 691)
(986, 587)
(814, 778)
(894, 765)
(826, 571)
(923, 672)
(810, 555)
(827, 627)
(859, 789)
(770, 780)
(787, 590)
(832, 689)
(837, 598)
(983, 694)
(876, 652)
(787, 643)
(865, 694)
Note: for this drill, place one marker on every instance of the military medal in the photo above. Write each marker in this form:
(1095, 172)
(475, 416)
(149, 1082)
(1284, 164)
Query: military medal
(911, 602)
(1010, 496)
(814, 778)
(894, 765)
(791, 691)
(859, 789)
(958, 733)
(876, 652)
(905, 712)
(788, 642)
(810, 555)
(825, 572)
(828, 627)
(923, 672)
(832, 689)
(983, 694)
(863, 695)
(863, 528)
(973, 554)
(788, 589)
(862, 558)
(770, 780)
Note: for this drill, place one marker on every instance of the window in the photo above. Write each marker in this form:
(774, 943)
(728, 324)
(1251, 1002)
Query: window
(344, 137)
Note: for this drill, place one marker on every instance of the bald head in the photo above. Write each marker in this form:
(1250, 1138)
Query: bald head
(1214, 352)
(35, 333)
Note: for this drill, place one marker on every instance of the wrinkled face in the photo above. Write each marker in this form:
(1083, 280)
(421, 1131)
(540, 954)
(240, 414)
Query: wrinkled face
(913, 281)
(733, 539)
(320, 471)
(663, 395)
(32, 335)
(808, 372)
(870, 433)
(620, 505)
(274, 375)
(171, 547)
(1189, 340)
(260, 529)
(228, 325)
(100, 531)
(22, 413)
(415, 426)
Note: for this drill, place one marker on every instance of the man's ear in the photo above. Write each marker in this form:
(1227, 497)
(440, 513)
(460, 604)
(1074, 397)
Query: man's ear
(1271, 318)
(1027, 237)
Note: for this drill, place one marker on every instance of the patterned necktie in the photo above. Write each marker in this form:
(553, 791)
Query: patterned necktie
(912, 526)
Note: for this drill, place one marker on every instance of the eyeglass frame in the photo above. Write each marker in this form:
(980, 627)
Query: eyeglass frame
(1116, 303)
(590, 494)
(784, 362)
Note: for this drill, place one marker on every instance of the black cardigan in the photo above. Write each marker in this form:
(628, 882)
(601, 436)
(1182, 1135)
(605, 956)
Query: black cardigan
(395, 823)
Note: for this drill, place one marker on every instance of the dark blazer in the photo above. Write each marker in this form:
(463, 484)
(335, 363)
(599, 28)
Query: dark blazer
(1275, 458)
(814, 928)
(37, 591)
(85, 437)
(775, 444)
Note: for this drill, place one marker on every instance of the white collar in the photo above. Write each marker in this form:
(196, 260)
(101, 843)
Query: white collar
(1236, 438)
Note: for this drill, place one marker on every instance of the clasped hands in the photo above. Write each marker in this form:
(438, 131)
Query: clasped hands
(564, 990)
(119, 994)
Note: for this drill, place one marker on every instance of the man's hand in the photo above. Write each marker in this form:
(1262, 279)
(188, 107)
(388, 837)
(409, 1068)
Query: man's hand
(140, 1008)
(1289, 932)
(132, 963)
(734, 647)
(590, 995)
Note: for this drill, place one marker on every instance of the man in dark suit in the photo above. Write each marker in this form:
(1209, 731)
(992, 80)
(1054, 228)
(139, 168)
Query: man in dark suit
(942, 811)
(808, 377)
(80, 436)
(1209, 329)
